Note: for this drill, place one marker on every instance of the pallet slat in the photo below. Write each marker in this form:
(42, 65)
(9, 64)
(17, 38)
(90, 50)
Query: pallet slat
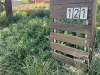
(54, 2)
(71, 51)
(68, 60)
(73, 28)
(70, 39)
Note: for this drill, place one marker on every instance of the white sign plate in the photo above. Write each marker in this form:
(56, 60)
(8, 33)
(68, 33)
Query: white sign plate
(69, 13)
(76, 13)
(83, 13)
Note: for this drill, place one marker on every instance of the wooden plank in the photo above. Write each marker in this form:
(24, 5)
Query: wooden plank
(54, 2)
(70, 39)
(72, 28)
(68, 60)
(71, 51)
(60, 11)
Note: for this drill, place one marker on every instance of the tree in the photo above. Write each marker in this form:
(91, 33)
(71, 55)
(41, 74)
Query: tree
(8, 8)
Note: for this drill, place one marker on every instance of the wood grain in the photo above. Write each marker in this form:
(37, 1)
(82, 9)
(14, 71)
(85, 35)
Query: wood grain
(70, 39)
(72, 28)
(71, 51)
(68, 60)
(54, 2)
(60, 11)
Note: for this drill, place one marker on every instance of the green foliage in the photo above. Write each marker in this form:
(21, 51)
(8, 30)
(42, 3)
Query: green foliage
(21, 13)
(41, 13)
(6, 21)
(27, 37)
(97, 39)
(25, 1)
(24, 49)
(95, 65)
(98, 14)
(1, 9)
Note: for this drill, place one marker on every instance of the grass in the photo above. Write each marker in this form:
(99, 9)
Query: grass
(24, 50)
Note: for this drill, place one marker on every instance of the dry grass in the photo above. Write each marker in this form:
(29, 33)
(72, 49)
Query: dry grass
(30, 7)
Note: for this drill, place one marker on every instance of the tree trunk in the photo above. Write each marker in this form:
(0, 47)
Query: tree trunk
(8, 8)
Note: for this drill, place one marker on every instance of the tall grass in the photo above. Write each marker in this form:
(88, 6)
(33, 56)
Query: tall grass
(24, 49)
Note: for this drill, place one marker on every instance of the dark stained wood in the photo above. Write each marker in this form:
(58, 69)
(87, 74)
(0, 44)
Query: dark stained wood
(93, 23)
(54, 2)
(60, 11)
(70, 39)
(72, 28)
(68, 60)
(71, 51)
(70, 6)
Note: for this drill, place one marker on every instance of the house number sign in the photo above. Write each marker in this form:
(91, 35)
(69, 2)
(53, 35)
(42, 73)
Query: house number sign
(77, 13)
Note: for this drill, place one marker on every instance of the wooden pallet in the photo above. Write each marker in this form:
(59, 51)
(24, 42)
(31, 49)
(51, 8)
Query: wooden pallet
(63, 52)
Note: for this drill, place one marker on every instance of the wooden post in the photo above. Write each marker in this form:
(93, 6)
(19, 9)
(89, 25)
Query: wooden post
(8, 8)
(93, 23)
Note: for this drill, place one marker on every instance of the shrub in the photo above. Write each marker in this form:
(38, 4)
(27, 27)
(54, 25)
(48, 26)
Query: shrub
(25, 1)
(24, 49)
(27, 37)
(21, 13)
(98, 14)
(40, 13)
(97, 39)
(5, 21)
(1, 9)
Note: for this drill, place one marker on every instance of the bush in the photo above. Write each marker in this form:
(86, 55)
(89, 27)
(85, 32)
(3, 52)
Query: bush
(98, 14)
(21, 13)
(40, 13)
(6, 21)
(1, 9)
(25, 1)
(27, 37)
(97, 39)
(24, 49)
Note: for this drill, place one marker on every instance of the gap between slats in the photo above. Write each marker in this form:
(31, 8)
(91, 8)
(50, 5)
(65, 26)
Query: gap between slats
(68, 60)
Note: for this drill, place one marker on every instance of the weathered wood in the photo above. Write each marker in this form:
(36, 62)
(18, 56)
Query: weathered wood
(8, 8)
(72, 28)
(71, 51)
(70, 39)
(93, 23)
(68, 60)
(60, 11)
(54, 2)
